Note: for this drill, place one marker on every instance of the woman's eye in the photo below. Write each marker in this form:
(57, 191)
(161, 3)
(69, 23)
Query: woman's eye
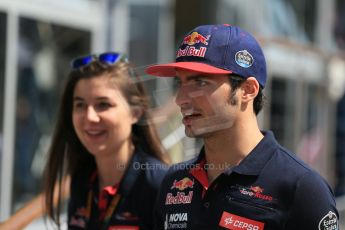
(103, 106)
(79, 105)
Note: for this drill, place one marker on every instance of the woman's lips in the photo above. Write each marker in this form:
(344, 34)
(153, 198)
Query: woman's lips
(95, 135)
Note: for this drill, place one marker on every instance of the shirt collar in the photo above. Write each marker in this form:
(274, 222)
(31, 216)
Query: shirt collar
(259, 156)
(128, 179)
(253, 163)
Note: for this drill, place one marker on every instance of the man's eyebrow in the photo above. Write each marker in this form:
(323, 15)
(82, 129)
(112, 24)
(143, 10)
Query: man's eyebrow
(195, 77)
(192, 77)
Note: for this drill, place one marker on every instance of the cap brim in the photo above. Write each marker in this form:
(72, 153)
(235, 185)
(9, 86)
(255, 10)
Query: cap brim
(169, 69)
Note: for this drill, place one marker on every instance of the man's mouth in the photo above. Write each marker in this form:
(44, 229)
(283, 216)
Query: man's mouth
(189, 116)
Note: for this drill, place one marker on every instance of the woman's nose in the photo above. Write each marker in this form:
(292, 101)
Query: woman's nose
(92, 115)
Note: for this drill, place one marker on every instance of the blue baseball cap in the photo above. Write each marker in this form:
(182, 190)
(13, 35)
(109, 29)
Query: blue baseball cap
(217, 49)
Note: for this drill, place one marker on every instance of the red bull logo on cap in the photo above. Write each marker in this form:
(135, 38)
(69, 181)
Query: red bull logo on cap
(183, 184)
(195, 38)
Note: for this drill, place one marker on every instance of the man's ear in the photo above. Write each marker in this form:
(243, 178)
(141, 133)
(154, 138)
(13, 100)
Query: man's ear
(137, 112)
(250, 89)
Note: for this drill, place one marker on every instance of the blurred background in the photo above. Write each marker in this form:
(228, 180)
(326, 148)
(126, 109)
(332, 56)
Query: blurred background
(303, 40)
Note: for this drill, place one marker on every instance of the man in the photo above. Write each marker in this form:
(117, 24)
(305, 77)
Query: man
(242, 178)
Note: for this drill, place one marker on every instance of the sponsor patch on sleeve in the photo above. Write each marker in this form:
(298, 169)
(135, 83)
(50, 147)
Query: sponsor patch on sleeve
(329, 222)
(234, 222)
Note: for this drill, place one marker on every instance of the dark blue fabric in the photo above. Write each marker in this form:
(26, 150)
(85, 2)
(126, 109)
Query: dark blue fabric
(138, 191)
(223, 45)
(271, 186)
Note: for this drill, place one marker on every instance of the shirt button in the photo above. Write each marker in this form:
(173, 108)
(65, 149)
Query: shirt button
(207, 204)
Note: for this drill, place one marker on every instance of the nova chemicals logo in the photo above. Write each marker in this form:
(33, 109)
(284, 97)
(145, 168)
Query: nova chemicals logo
(176, 221)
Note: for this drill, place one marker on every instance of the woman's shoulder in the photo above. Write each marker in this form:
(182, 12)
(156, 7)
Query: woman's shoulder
(152, 168)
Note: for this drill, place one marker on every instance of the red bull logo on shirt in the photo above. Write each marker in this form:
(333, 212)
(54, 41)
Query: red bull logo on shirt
(180, 198)
(183, 184)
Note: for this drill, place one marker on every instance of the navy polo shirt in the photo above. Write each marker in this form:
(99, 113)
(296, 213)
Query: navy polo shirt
(270, 189)
(138, 191)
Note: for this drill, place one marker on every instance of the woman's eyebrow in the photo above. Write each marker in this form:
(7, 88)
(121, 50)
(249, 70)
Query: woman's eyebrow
(78, 98)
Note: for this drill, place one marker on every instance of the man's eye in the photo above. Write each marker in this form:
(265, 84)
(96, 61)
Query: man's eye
(201, 82)
(177, 83)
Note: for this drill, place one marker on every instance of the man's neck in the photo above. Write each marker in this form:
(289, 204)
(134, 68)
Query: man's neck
(228, 148)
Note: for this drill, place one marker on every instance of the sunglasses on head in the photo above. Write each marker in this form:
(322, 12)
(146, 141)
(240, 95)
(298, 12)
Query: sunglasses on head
(109, 58)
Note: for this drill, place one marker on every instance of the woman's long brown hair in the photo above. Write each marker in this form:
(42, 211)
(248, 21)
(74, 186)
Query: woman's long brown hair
(67, 154)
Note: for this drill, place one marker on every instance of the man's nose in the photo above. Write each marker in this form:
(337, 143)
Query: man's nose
(182, 95)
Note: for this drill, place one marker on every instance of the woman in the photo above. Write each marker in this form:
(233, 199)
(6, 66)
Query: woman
(104, 140)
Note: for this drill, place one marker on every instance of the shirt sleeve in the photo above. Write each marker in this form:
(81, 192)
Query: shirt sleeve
(153, 178)
(157, 216)
(313, 206)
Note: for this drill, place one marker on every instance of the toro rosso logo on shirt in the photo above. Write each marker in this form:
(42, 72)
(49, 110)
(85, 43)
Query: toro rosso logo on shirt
(329, 222)
(256, 192)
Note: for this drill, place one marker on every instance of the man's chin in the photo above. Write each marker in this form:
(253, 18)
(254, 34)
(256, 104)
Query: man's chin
(196, 132)
(202, 132)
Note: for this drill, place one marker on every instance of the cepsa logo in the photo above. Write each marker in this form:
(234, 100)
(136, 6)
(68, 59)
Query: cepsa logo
(234, 222)
(183, 184)
(195, 38)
